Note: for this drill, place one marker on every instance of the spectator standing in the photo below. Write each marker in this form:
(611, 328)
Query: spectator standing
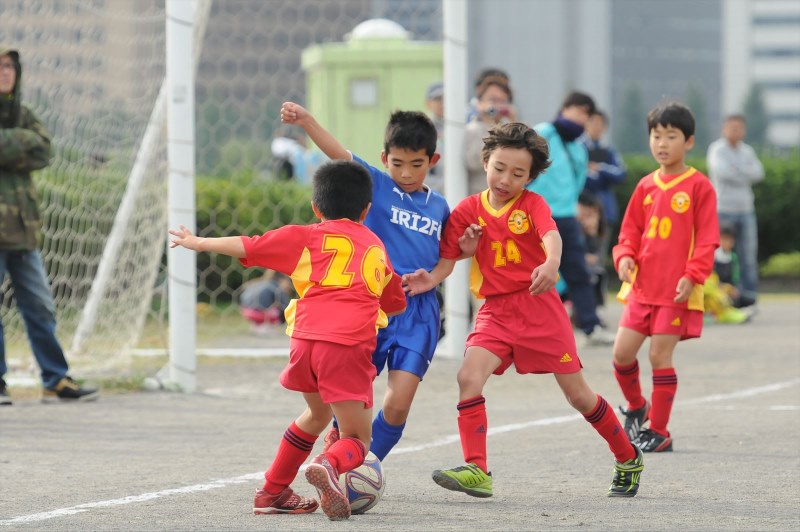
(560, 185)
(488, 72)
(733, 168)
(24, 147)
(493, 107)
(606, 169)
(434, 103)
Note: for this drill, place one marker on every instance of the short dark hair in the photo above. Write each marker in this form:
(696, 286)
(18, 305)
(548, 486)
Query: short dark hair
(601, 114)
(726, 229)
(490, 72)
(736, 116)
(579, 99)
(497, 81)
(520, 136)
(410, 130)
(589, 199)
(671, 113)
(341, 189)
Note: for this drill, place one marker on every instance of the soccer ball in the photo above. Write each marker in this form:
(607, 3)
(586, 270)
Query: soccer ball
(364, 485)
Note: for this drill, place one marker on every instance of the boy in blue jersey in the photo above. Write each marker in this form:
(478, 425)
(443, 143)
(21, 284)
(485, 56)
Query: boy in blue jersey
(409, 218)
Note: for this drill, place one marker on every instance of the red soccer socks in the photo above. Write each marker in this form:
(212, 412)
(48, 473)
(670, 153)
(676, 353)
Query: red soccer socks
(472, 426)
(665, 384)
(628, 379)
(294, 448)
(346, 454)
(606, 423)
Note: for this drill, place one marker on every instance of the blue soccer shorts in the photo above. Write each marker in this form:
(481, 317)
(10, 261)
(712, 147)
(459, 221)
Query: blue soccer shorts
(409, 341)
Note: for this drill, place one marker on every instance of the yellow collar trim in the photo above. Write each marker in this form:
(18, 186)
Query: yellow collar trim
(497, 213)
(674, 181)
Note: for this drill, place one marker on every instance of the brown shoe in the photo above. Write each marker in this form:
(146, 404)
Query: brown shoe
(69, 390)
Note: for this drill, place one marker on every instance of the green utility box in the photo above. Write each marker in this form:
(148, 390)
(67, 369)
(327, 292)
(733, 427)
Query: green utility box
(352, 87)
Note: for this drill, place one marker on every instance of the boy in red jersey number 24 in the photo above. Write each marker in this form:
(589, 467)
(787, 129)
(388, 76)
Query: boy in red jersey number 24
(516, 250)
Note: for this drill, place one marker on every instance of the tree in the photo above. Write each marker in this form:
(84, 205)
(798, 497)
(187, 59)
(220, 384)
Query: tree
(755, 113)
(630, 131)
(696, 101)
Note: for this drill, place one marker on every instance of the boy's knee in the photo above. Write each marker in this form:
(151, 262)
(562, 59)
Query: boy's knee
(623, 357)
(467, 379)
(395, 415)
(660, 360)
(582, 400)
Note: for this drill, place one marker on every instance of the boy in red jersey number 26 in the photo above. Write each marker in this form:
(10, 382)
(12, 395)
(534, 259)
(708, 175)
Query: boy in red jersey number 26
(347, 289)
(516, 250)
(665, 254)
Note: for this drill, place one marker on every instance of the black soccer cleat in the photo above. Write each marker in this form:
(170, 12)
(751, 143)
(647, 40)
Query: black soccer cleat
(653, 442)
(634, 419)
(626, 476)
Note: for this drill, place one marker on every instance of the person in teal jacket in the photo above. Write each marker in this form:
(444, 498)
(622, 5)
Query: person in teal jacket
(560, 185)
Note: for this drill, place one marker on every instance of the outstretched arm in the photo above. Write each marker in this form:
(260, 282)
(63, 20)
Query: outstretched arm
(227, 245)
(292, 113)
(423, 280)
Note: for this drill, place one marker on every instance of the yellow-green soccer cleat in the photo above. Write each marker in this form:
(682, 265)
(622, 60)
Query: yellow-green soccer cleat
(468, 478)
(626, 476)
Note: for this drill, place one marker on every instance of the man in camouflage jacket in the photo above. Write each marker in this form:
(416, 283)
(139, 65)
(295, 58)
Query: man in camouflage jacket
(24, 147)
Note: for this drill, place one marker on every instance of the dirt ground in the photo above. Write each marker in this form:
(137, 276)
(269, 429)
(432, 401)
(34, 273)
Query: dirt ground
(170, 461)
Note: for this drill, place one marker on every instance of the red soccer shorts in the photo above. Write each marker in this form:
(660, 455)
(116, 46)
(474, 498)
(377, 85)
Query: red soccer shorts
(531, 332)
(338, 372)
(659, 319)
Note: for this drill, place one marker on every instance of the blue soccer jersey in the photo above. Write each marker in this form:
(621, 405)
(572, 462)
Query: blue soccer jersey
(410, 225)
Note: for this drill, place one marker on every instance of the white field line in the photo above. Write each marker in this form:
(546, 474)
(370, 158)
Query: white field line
(224, 482)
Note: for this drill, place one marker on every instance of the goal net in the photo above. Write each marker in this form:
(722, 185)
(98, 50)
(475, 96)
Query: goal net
(92, 72)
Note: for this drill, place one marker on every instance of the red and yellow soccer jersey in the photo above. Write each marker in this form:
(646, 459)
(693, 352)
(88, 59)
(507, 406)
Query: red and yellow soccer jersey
(511, 245)
(671, 230)
(342, 274)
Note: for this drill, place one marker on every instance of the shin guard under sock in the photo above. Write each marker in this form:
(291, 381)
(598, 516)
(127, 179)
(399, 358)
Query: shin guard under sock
(472, 427)
(293, 450)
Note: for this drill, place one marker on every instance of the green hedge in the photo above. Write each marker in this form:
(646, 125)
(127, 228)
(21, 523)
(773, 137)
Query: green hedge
(243, 204)
(777, 199)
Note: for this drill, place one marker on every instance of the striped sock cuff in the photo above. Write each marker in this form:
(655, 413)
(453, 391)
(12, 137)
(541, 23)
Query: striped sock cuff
(665, 377)
(598, 411)
(471, 402)
(296, 437)
(627, 370)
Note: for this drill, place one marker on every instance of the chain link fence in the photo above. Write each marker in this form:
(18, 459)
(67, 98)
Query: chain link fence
(92, 71)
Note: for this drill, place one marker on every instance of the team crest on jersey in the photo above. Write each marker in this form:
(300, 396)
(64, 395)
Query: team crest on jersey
(680, 202)
(518, 222)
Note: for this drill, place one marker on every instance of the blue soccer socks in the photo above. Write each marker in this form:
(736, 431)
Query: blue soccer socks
(384, 436)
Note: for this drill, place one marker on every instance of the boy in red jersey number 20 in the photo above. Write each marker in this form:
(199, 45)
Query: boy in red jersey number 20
(665, 254)
(516, 250)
